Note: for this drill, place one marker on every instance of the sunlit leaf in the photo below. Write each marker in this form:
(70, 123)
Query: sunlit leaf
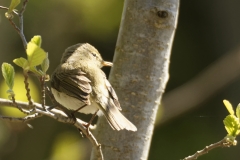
(8, 74)
(37, 72)
(238, 111)
(37, 40)
(21, 62)
(45, 64)
(13, 5)
(35, 54)
(231, 123)
(229, 107)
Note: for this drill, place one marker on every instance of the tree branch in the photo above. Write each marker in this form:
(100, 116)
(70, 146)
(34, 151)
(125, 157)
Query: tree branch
(6, 8)
(20, 119)
(20, 15)
(30, 102)
(222, 143)
(55, 114)
(43, 90)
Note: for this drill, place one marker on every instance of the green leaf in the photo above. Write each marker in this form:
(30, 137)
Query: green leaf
(45, 64)
(8, 74)
(13, 5)
(37, 72)
(229, 107)
(231, 123)
(238, 111)
(21, 62)
(37, 40)
(35, 54)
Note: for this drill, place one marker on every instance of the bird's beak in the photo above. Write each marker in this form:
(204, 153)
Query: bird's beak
(105, 63)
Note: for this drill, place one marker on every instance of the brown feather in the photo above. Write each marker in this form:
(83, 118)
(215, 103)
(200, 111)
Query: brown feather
(113, 94)
(73, 83)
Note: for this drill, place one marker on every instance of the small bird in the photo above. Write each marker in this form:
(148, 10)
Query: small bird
(79, 84)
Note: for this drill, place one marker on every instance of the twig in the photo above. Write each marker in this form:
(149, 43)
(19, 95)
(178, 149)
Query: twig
(6, 8)
(30, 102)
(20, 15)
(93, 140)
(15, 26)
(59, 116)
(23, 7)
(11, 119)
(42, 82)
(31, 117)
(47, 89)
(222, 143)
(20, 119)
(18, 107)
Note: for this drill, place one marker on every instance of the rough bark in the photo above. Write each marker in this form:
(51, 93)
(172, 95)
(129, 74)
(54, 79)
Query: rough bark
(139, 75)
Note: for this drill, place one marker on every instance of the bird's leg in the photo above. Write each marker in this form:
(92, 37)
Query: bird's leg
(79, 108)
(73, 112)
(90, 122)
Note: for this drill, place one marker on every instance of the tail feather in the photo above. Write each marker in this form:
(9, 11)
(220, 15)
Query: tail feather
(115, 118)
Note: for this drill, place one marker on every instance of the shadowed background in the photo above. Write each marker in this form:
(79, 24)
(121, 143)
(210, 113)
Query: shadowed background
(206, 31)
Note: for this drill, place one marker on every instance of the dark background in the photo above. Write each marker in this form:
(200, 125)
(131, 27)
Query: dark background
(206, 31)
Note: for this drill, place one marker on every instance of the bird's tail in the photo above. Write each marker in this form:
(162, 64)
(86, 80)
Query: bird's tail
(115, 118)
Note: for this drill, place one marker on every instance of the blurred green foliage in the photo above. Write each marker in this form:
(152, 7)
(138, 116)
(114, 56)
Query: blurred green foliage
(206, 30)
(20, 94)
(66, 145)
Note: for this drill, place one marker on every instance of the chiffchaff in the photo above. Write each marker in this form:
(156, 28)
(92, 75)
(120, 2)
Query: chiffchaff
(79, 84)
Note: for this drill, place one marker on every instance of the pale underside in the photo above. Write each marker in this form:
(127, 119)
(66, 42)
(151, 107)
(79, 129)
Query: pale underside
(73, 103)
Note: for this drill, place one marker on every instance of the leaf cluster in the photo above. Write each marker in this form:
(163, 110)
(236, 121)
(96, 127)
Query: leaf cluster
(36, 56)
(231, 122)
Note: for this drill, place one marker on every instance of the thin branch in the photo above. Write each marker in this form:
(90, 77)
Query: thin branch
(55, 114)
(222, 143)
(42, 82)
(20, 119)
(23, 7)
(11, 119)
(31, 117)
(47, 89)
(20, 16)
(30, 102)
(21, 23)
(15, 26)
(18, 107)
(6, 8)
(93, 140)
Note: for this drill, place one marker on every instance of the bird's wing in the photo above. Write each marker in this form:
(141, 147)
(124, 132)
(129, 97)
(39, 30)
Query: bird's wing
(73, 83)
(111, 107)
(113, 94)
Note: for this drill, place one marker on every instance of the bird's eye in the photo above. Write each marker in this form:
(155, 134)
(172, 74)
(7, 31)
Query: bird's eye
(94, 54)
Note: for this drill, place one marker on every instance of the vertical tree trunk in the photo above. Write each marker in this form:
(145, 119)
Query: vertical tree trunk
(139, 75)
